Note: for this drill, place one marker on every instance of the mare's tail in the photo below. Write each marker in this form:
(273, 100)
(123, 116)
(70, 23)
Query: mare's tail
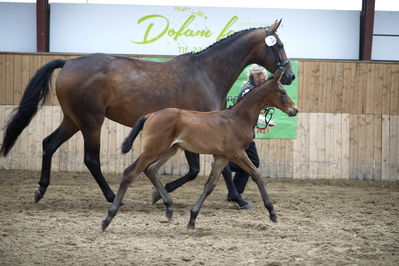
(36, 91)
(128, 142)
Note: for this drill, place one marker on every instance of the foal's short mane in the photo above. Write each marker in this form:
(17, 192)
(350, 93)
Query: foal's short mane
(252, 90)
(224, 39)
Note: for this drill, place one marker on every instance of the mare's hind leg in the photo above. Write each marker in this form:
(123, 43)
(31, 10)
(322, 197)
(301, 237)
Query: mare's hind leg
(151, 172)
(194, 167)
(217, 168)
(91, 135)
(50, 144)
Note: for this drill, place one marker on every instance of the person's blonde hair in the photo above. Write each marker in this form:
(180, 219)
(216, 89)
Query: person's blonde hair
(253, 70)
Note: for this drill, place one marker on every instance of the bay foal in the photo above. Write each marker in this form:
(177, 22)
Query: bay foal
(225, 134)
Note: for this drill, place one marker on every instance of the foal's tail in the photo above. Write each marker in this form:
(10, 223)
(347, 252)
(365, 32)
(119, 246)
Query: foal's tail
(36, 91)
(128, 142)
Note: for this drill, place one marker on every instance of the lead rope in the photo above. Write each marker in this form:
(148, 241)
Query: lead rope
(268, 117)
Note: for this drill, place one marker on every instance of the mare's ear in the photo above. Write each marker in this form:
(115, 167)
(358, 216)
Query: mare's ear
(278, 74)
(275, 25)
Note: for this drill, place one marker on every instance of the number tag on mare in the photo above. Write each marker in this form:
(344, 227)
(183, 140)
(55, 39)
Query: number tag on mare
(270, 40)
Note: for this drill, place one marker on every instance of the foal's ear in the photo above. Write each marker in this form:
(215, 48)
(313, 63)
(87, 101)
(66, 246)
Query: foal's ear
(275, 25)
(278, 74)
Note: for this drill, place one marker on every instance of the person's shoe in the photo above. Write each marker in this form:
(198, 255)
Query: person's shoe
(230, 198)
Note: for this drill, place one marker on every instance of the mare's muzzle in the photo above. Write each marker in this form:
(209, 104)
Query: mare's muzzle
(288, 77)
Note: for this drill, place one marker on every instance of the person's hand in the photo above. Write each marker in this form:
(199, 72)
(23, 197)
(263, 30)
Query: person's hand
(272, 123)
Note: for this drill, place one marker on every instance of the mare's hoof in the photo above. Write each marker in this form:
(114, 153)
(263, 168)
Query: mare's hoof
(273, 218)
(155, 197)
(247, 207)
(38, 195)
(105, 223)
(169, 214)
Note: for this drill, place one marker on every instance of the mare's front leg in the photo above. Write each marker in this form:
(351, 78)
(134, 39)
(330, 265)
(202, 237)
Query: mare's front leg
(233, 193)
(194, 168)
(245, 163)
(217, 168)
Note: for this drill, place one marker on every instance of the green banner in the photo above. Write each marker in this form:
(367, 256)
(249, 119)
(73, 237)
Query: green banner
(285, 126)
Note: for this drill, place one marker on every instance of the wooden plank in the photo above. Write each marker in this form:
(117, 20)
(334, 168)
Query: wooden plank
(313, 156)
(353, 146)
(281, 158)
(297, 149)
(314, 87)
(338, 88)
(394, 97)
(329, 146)
(300, 84)
(369, 92)
(273, 151)
(305, 167)
(386, 89)
(320, 143)
(345, 146)
(378, 89)
(361, 151)
(9, 79)
(119, 165)
(289, 158)
(330, 79)
(349, 77)
(385, 142)
(362, 73)
(306, 91)
(7, 111)
(336, 146)
(393, 147)
(377, 146)
(3, 87)
(321, 88)
(17, 78)
(369, 147)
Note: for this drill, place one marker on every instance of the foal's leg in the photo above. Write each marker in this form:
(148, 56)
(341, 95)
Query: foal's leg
(245, 163)
(129, 176)
(50, 144)
(91, 135)
(194, 167)
(151, 172)
(217, 168)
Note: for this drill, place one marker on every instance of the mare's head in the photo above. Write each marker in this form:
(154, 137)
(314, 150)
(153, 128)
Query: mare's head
(274, 54)
(278, 96)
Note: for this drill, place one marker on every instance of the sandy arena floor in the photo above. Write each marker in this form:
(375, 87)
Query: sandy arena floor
(320, 222)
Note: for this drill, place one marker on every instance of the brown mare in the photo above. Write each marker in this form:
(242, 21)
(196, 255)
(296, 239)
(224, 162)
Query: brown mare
(92, 87)
(225, 134)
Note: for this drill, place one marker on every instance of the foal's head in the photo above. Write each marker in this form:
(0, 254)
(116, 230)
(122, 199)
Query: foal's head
(278, 96)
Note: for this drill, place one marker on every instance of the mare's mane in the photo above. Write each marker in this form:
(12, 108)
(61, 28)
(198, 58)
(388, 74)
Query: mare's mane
(223, 40)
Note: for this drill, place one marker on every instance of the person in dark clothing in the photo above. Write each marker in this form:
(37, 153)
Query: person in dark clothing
(256, 75)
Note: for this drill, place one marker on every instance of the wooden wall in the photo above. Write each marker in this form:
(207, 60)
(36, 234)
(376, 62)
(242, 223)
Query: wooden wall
(348, 125)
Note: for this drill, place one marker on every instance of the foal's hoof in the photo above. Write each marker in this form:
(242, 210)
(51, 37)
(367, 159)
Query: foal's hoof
(155, 197)
(247, 207)
(38, 195)
(273, 218)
